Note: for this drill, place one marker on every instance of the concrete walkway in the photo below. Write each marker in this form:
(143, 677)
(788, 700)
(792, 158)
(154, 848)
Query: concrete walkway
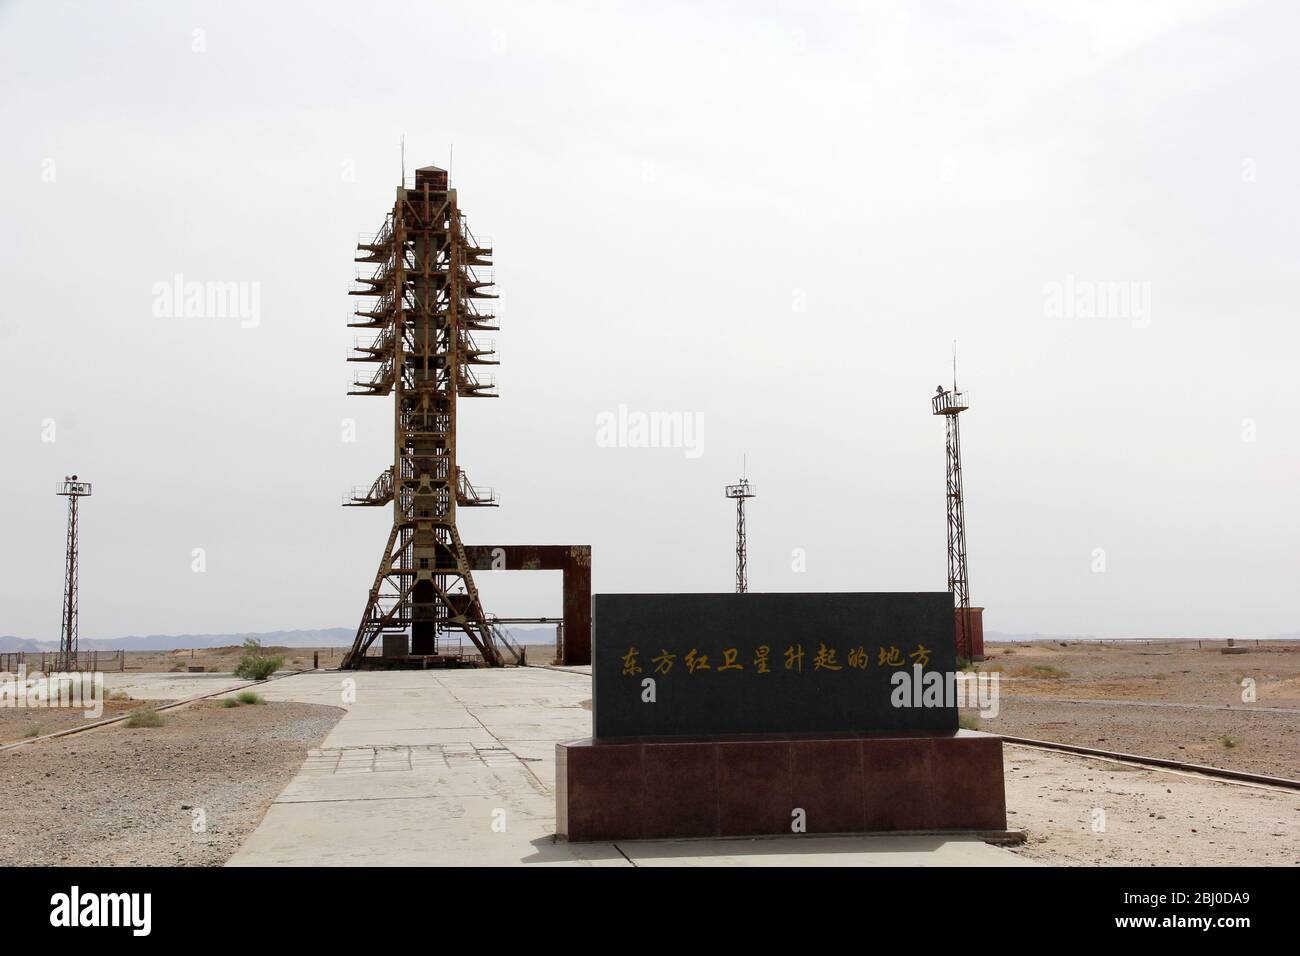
(149, 686)
(446, 768)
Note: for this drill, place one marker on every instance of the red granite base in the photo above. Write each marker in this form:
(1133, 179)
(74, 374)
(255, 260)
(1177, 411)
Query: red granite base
(671, 788)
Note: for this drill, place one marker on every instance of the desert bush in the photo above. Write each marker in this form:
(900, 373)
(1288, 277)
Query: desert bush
(229, 702)
(248, 697)
(1043, 671)
(256, 664)
(144, 718)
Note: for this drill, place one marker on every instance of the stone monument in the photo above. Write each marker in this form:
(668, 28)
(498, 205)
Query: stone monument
(762, 714)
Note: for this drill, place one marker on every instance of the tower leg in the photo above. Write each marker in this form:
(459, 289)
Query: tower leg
(373, 618)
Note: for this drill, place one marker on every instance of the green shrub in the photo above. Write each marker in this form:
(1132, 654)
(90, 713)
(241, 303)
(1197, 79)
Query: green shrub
(256, 664)
(144, 718)
(1044, 671)
(229, 702)
(248, 697)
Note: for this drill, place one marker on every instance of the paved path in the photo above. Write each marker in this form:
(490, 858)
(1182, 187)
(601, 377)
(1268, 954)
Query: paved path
(143, 686)
(458, 768)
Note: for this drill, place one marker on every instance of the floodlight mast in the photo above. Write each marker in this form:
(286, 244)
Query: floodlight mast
(740, 491)
(74, 490)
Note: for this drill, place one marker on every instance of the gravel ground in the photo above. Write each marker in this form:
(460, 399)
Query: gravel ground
(1261, 742)
(1084, 812)
(1105, 694)
(1186, 671)
(121, 796)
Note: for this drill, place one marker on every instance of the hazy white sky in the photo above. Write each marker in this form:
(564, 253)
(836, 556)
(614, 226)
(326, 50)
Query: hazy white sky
(774, 216)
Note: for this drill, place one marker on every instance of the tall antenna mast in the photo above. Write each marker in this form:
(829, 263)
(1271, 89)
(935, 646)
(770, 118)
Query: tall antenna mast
(740, 491)
(72, 489)
(950, 404)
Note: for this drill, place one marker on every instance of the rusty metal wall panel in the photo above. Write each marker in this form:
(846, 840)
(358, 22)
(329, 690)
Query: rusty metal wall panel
(577, 606)
(977, 630)
(519, 557)
(574, 560)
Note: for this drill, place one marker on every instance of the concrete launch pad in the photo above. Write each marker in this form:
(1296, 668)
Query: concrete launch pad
(457, 767)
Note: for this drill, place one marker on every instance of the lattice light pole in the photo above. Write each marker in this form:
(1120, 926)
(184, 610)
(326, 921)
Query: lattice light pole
(951, 404)
(427, 288)
(73, 490)
(740, 491)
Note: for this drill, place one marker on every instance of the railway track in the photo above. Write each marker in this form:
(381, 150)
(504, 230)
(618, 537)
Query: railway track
(171, 705)
(1237, 776)
(1176, 705)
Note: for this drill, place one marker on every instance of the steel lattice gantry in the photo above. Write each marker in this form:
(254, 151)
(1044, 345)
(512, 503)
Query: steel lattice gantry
(424, 311)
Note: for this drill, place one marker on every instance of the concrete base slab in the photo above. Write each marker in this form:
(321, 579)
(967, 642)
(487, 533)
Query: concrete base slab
(909, 850)
(457, 768)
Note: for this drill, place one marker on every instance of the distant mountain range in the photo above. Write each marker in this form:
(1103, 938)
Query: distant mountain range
(326, 637)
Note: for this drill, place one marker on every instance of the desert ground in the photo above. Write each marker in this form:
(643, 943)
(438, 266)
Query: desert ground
(1179, 700)
(121, 795)
(183, 793)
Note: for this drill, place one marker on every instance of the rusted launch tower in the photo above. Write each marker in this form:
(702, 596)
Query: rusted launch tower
(426, 300)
